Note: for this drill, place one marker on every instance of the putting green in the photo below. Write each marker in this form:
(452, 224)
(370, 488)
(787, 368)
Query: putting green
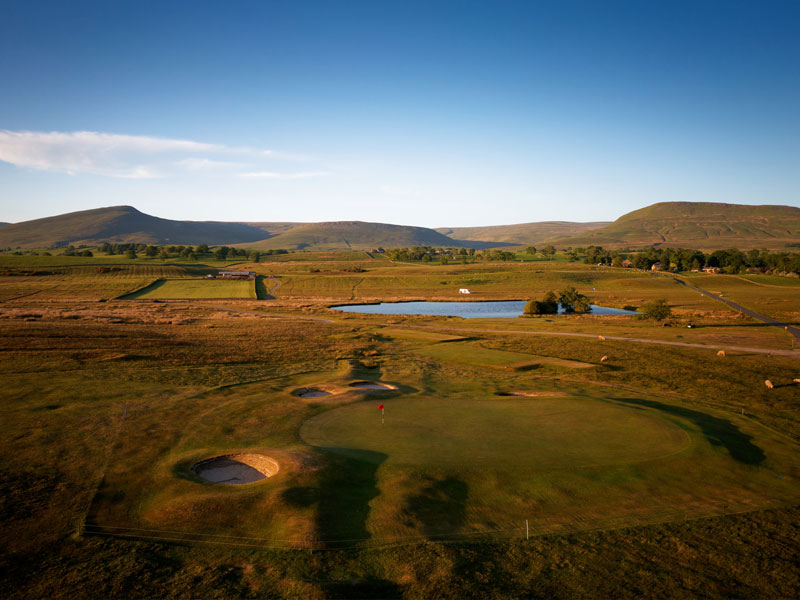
(501, 434)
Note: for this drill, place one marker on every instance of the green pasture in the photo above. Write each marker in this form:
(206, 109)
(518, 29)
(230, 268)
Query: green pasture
(173, 289)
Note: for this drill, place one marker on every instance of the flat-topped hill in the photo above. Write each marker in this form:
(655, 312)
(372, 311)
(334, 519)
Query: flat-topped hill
(705, 225)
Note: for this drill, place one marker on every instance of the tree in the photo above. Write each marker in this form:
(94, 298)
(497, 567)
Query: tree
(255, 256)
(549, 251)
(130, 252)
(573, 301)
(547, 306)
(151, 251)
(202, 249)
(658, 310)
(531, 250)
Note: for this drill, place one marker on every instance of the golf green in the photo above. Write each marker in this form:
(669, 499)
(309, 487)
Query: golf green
(507, 433)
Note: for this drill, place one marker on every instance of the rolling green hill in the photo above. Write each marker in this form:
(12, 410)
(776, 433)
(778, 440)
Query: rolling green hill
(523, 234)
(343, 235)
(703, 225)
(123, 224)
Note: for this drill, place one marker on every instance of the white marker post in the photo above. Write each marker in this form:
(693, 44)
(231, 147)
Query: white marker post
(527, 531)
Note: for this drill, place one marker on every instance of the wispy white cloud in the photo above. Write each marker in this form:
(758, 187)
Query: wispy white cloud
(125, 156)
(198, 164)
(276, 175)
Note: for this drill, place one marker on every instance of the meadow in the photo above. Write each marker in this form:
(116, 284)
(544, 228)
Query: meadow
(663, 470)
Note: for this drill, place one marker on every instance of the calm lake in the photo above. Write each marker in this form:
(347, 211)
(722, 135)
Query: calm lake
(467, 310)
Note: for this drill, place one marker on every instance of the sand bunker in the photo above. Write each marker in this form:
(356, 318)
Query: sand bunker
(530, 394)
(310, 392)
(236, 468)
(371, 385)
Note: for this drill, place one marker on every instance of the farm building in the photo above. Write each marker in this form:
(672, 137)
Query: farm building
(236, 275)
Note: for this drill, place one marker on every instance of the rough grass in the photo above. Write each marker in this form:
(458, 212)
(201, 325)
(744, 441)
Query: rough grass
(105, 405)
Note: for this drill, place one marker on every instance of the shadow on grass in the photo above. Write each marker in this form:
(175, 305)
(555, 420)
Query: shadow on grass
(439, 507)
(261, 289)
(364, 588)
(345, 488)
(719, 432)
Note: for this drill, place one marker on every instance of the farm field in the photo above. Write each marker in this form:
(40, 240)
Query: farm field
(663, 465)
(170, 289)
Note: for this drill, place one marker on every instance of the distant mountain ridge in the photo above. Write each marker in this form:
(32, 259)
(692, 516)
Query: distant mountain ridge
(702, 225)
(125, 224)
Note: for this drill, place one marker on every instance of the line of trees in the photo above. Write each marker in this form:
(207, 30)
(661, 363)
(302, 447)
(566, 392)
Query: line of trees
(730, 260)
(428, 254)
(180, 251)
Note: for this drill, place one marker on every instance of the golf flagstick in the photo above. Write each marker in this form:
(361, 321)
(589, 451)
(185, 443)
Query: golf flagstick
(380, 407)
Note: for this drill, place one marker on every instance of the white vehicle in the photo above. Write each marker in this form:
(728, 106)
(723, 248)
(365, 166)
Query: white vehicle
(464, 291)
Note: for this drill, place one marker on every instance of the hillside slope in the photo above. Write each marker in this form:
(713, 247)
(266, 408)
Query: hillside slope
(523, 234)
(124, 224)
(343, 235)
(704, 225)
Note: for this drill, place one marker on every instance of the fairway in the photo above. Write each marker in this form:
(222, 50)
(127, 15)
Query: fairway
(532, 433)
(175, 289)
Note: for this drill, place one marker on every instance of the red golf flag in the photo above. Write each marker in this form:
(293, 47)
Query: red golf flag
(380, 406)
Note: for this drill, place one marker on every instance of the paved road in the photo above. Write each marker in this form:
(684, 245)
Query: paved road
(790, 353)
(763, 318)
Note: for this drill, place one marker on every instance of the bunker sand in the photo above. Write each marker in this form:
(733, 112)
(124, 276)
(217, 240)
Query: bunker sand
(236, 469)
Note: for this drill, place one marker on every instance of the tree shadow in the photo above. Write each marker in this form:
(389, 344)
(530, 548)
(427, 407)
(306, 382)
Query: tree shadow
(346, 485)
(439, 507)
(719, 432)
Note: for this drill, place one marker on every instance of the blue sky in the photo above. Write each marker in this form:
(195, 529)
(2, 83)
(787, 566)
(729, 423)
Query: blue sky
(423, 113)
